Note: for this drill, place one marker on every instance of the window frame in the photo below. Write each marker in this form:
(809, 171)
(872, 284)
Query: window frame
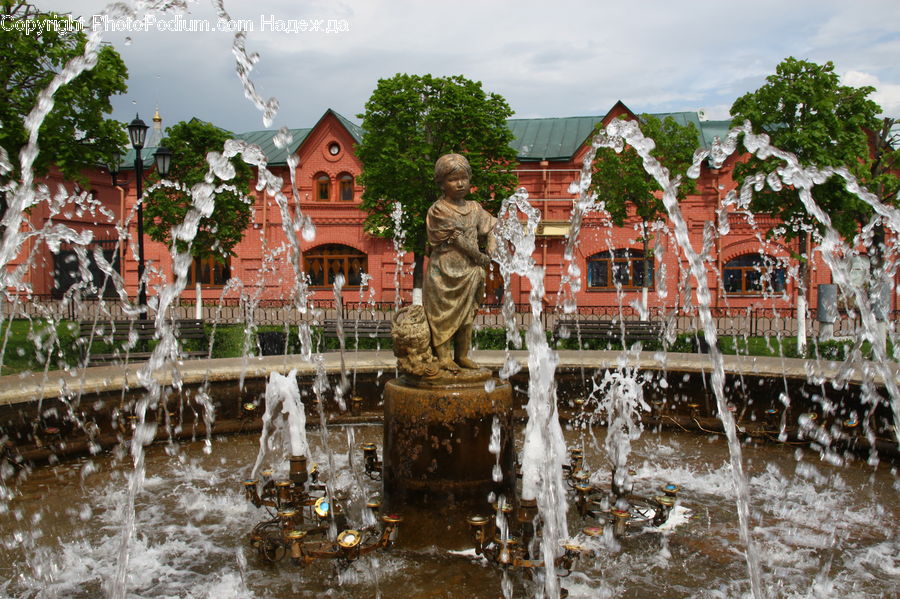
(322, 184)
(611, 262)
(346, 182)
(763, 270)
(318, 264)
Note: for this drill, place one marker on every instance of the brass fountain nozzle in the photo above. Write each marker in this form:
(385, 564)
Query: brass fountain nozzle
(283, 492)
(295, 539)
(479, 525)
(670, 490)
(620, 522)
(348, 541)
(664, 505)
(583, 492)
(298, 472)
(392, 527)
(528, 509)
(372, 463)
(251, 491)
(506, 556)
(593, 531)
(288, 520)
(321, 507)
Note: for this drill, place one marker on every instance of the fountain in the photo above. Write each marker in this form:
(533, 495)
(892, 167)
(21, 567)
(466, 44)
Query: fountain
(440, 414)
(173, 523)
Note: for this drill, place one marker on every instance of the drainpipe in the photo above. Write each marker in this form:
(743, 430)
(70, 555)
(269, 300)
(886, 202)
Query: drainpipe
(121, 226)
(265, 214)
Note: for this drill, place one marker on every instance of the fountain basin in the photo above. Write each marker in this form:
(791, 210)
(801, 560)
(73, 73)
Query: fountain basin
(819, 526)
(29, 404)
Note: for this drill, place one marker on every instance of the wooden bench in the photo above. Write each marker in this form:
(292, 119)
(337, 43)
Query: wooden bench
(374, 329)
(610, 331)
(118, 333)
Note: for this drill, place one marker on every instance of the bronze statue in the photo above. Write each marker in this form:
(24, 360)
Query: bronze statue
(461, 242)
(440, 417)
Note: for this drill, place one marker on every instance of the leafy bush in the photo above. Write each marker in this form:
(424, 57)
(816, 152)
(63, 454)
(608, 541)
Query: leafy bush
(829, 350)
(29, 344)
(228, 341)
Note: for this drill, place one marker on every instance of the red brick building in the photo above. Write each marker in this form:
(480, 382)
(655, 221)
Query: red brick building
(550, 151)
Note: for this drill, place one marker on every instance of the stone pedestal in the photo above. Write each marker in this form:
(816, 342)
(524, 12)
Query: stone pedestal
(436, 439)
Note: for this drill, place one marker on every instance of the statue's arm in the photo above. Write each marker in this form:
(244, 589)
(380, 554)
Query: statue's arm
(490, 244)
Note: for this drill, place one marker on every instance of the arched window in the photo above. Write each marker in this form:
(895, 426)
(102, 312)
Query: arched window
(325, 262)
(323, 187)
(605, 270)
(751, 274)
(346, 187)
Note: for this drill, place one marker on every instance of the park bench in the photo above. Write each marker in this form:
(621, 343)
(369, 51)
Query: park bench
(610, 331)
(112, 336)
(373, 329)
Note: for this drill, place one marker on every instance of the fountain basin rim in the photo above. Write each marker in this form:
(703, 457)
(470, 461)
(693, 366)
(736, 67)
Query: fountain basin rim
(15, 388)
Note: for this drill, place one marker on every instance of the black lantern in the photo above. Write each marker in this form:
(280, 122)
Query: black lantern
(163, 158)
(113, 166)
(137, 131)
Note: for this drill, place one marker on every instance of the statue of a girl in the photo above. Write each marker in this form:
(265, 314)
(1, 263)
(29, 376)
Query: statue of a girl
(461, 242)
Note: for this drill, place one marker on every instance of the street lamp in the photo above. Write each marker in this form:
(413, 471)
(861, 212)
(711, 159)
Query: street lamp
(137, 132)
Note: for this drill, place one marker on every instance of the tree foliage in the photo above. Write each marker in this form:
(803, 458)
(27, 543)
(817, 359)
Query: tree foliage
(804, 109)
(621, 182)
(165, 207)
(77, 133)
(883, 178)
(412, 120)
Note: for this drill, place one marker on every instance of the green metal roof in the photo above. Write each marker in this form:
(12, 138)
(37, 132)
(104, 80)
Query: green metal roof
(712, 129)
(265, 139)
(354, 129)
(534, 139)
(550, 139)
(126, 162)
(560, 138)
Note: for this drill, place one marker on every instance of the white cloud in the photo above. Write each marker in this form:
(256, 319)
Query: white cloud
(656, 55)
(886, 95)
(718, 112)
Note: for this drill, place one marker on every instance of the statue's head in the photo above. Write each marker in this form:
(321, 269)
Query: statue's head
(448, 164)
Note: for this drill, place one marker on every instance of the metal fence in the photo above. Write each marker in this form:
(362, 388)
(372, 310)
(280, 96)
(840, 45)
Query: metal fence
(268, 312)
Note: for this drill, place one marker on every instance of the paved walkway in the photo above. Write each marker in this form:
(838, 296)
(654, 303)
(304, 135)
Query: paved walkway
(20, 388)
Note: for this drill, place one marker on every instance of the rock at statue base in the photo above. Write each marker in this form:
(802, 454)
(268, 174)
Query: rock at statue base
(437, 436)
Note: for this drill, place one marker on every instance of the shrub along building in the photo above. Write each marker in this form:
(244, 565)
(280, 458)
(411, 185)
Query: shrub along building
(747, 268)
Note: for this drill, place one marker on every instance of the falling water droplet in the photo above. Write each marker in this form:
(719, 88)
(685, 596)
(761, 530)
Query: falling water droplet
(308, 230)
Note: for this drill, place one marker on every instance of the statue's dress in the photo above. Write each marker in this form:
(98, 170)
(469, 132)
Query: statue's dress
(454, 283)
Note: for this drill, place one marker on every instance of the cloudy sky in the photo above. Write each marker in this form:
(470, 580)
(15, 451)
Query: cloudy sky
(547, 58)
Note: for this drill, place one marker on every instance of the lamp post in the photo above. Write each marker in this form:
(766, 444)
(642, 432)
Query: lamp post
(137, 132)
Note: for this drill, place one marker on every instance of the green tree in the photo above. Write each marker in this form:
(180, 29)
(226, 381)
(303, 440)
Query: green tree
(77, 133)
(804, 109)
(165, 207)
(621, 182)
(412, 120)
(883, 179)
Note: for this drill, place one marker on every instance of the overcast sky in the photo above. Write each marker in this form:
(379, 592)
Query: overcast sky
(547, 58)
